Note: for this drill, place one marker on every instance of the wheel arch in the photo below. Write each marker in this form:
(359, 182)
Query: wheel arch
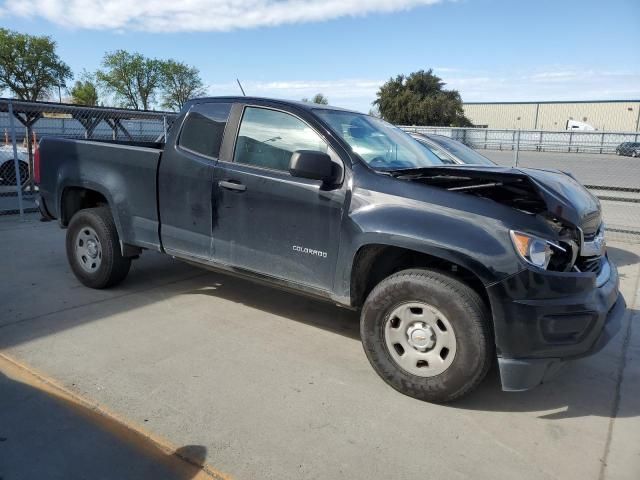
(75, 198)
(374, 262)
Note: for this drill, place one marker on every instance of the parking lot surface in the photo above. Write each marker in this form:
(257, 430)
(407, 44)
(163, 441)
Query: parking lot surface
(254, 383)
(590, 168)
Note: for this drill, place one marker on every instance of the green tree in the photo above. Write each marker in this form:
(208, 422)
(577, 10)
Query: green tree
(180, 82)
(84, 91)
(318, 98)
(131, 77)
(29, 65)
(420, 99)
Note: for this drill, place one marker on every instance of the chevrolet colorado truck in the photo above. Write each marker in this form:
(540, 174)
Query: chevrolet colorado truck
(450, 266)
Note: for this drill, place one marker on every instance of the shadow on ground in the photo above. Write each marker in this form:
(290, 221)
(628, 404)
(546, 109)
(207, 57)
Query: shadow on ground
(623, 257)
(44, 435)
(294, 307)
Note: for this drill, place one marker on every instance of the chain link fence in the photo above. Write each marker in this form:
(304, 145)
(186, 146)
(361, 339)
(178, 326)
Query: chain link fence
(23, 124)
(607, 163)
(622, 143)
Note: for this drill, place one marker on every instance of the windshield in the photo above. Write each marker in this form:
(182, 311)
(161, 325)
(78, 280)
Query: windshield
(460, 151)
(381, 145)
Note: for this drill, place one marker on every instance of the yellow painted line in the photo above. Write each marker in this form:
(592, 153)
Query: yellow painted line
(149, 444)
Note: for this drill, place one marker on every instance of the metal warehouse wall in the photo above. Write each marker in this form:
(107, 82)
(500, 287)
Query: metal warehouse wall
(622, 115)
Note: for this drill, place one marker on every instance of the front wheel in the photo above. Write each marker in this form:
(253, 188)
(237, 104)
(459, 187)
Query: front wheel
(93, 249)
(427, 335)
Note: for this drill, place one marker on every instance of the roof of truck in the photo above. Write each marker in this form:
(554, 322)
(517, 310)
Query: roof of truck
(280, 101)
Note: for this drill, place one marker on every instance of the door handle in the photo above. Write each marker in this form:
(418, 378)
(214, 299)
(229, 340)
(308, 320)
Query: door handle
(232, 185)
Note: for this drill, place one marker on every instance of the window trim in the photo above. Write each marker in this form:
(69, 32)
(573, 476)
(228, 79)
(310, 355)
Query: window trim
(431, 143)
(224, 132)
(286, 112)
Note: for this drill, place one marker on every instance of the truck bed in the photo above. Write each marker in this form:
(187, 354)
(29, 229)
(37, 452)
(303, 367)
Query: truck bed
(123, 172)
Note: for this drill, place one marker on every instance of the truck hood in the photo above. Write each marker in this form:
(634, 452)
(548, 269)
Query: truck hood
(536, 191)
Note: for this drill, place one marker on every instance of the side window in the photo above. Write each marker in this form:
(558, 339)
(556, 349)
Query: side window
(203, 128)
(267, 138)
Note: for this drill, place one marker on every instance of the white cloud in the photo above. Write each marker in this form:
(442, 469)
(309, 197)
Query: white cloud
(196, 15)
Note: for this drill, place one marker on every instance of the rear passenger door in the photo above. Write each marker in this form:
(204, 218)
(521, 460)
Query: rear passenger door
(184, 180)
(267, 221)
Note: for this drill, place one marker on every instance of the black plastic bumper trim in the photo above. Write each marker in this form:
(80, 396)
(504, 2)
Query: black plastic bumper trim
(520, 374)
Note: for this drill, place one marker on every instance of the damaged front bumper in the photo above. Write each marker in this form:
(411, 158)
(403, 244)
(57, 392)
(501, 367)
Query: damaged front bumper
(542, 319)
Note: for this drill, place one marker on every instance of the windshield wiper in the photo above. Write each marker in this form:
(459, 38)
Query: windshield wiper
(398, 172)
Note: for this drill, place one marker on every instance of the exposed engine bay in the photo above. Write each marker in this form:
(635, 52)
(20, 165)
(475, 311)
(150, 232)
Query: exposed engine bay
(571, 214)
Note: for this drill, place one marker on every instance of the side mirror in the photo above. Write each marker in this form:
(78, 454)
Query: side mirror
(312, 165)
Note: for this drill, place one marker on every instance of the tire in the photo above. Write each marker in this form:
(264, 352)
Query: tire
(443, 298)
(93, 249)
(8, 173)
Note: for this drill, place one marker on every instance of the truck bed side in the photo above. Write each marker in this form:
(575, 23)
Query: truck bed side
(123, 174)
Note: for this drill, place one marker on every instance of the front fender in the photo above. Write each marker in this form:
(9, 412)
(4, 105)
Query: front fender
(480, 244)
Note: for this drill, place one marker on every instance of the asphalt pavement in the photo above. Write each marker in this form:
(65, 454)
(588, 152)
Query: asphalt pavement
(590, 168)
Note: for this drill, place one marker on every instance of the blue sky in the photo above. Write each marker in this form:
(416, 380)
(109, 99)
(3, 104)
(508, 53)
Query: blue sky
(490, 50)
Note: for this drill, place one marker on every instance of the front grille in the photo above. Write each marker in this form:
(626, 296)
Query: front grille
(589, 264)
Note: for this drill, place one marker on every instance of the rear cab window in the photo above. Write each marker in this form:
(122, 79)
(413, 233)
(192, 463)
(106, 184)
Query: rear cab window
(203, 128)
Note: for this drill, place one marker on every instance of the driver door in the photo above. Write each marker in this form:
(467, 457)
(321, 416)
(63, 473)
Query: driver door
(267, 221)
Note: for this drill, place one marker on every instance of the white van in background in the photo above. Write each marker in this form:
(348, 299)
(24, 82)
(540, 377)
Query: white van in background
(576, 125)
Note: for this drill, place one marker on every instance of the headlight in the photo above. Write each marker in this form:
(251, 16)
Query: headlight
(533, 250)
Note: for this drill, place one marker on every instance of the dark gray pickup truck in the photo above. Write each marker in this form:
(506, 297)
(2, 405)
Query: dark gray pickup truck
(451, 266)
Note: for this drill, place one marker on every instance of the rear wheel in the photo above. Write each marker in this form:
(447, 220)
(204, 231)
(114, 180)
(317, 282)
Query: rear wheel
(427, 335)
(93, 249)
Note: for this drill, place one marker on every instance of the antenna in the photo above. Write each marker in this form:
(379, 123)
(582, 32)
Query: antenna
(241, 89)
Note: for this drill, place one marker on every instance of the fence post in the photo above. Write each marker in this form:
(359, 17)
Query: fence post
(517, 150)
(570, 139)
(602, 142)
(16, 162)
(539, 147)
(30, 154)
